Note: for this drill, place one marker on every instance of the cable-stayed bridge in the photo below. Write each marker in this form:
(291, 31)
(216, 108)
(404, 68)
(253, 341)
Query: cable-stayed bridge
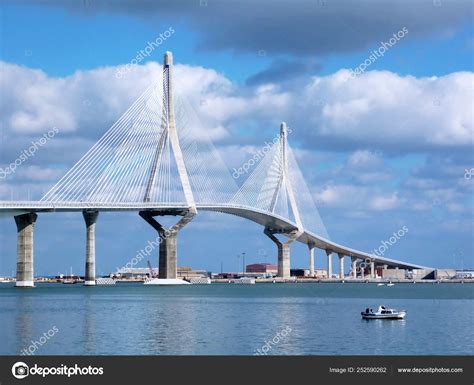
(157, 159)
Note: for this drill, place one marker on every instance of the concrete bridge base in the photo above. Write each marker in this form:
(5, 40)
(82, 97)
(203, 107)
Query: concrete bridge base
(90, 217)
(311, 247)
(329, 271)
(341, 265)
(25, 224)
(168, 261)
(283, 251)
(168, 250)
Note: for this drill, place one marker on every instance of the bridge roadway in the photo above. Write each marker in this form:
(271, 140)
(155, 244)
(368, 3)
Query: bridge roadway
(267, 220)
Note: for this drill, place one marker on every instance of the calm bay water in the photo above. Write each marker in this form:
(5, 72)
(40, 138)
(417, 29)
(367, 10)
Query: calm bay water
(315, 319)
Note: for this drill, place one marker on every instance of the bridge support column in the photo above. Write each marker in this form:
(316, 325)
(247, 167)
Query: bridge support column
(311, 248)
(341, 265)
(168, 261)
(25, 224)
(354, 267)
(283, 251)
(90, 217)
(168, 250)
(372, 269)
(329, 255)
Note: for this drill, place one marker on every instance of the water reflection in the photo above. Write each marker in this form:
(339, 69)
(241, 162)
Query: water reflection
(89, 322)
(227, 319)
(170, 327)
(24, 322)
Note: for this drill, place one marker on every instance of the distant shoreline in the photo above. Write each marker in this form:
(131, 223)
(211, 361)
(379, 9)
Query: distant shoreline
(294, 281)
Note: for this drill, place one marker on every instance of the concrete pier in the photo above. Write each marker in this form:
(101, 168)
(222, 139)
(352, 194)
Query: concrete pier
(329, 255)
(284, 260)
(25, 224)
(311, 259)
(90, 217)
(354, 267)
(341, 265)
(283, 253)
(168, 249)
(168, 261)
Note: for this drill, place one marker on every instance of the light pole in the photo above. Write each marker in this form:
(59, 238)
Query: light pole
(243, 264)
(238, 263)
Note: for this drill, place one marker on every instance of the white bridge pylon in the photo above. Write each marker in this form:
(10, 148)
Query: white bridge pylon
(156, 153)
(155, 156)
(277, 187)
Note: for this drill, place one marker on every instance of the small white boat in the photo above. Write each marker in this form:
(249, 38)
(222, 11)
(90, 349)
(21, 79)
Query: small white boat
(390, 284)
(165, 281)
(383, 313)
(381, 284)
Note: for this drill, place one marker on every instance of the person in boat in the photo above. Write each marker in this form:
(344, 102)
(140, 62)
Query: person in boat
(372, 311)
(382, 307)
(367, 310)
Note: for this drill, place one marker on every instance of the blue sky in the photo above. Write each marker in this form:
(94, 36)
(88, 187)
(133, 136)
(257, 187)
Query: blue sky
(387, 149)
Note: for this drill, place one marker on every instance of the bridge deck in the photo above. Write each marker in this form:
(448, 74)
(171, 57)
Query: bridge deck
(263, 218)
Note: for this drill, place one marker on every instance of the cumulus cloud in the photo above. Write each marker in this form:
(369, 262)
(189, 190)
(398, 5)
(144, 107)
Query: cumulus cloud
(357, 198)
(383, 108)
(363, 158)
(378, 109)
(87, 101)
(366, 185)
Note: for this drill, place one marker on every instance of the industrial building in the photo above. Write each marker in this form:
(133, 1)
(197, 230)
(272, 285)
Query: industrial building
(262, 268)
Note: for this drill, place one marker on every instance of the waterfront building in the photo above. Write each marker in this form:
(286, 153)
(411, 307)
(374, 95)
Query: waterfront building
(262, 268)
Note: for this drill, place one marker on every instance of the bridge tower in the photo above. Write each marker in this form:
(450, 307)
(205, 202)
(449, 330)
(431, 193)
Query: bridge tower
(284, 182)
(168, 236)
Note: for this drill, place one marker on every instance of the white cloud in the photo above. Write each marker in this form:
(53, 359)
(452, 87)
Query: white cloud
(363, 158)
(378, 109)
(37, 173)
(381, 107)
(382, 203)
(356, 198)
